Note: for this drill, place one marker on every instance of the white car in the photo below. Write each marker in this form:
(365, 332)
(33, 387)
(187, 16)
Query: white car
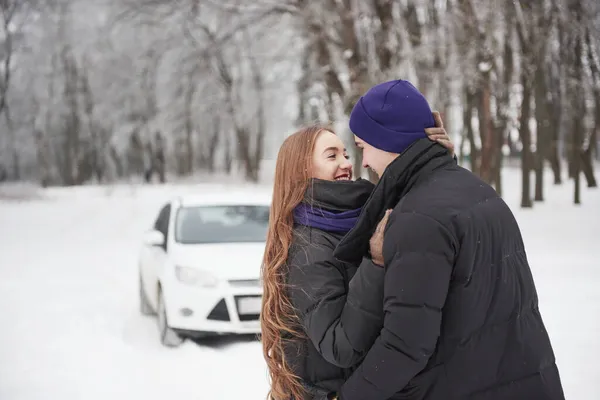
(199, 267)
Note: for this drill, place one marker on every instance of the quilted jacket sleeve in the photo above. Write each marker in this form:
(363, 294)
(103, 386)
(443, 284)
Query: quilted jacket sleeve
(341, 323)
(419, 257)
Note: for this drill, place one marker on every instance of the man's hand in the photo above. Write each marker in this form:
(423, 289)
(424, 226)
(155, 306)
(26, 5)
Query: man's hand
(439, 134)
(376, 241)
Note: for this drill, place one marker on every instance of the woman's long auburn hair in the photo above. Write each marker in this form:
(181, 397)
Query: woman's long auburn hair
(278, 318)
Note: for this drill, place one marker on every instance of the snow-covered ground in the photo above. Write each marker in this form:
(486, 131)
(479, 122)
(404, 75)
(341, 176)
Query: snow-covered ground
(71, 328)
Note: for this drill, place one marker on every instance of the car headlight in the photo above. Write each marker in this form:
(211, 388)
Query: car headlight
(193, 276)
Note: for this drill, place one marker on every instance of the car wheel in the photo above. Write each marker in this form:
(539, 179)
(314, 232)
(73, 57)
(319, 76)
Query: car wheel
(145, 307)
(168, 337)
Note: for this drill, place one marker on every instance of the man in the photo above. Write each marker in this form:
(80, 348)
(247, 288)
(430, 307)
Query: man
(460, 304)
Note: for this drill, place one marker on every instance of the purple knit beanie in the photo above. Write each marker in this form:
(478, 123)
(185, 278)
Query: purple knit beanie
(391, 116)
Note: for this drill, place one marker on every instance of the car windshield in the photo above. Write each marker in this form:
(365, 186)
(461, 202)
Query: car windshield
(222, 224)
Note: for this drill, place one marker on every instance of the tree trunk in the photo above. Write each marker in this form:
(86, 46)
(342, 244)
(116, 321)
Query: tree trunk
(461, 155)
(180, 154)
(16, 175)
(383, 35)
(497, 171)
(539, 175)
(576, 163)
(594, 63)
(577, 99)
(504, 99)
(595, 132)
(467, 116)
(555, 112)
(73, 123)
(189, 126)
(571, 155)
(119, 169)
(588, 155)
(541, 118)
(94, 151)
(553, 156)
(356, 63)
(357, 68)
(227, 156)
(302, 88)
(261, 124)
(324, 60)
(486, 130)
(587, 166)
(526, 156)
(43, 158)
(415, 32)
(213, 144)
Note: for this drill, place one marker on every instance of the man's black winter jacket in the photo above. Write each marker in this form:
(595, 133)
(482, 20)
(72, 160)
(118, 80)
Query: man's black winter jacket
(460, 304)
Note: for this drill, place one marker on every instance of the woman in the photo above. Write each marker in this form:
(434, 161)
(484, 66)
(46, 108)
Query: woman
(319, 315)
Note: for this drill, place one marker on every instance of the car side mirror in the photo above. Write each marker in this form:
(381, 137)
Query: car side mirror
(154, 238)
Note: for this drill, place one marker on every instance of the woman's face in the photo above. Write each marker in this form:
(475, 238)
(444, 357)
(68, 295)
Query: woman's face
(330, 160)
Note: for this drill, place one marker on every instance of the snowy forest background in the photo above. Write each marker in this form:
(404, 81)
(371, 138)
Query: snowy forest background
(109, 90)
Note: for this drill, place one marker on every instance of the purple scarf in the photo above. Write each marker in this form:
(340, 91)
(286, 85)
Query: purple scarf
(328, 221)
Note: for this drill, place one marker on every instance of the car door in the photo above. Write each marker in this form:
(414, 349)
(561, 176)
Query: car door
(156, 256)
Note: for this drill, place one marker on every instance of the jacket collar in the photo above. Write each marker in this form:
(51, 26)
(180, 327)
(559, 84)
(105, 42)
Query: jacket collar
(409, 169)
(338, 196)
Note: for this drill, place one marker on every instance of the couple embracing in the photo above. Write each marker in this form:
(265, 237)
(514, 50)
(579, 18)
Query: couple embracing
(415, 288)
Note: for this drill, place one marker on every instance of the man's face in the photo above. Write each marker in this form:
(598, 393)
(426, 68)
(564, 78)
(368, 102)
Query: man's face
(374, 158)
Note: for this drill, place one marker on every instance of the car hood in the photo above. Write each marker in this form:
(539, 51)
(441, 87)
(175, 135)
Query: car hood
(225, 260)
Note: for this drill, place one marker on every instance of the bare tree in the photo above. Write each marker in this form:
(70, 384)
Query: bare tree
(8, 9)
(530, 21)
(592, 136)
(218, 80)
(13, 14)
